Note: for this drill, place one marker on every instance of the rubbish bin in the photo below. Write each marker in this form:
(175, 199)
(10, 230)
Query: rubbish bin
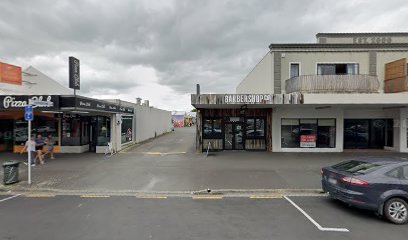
(10, 172)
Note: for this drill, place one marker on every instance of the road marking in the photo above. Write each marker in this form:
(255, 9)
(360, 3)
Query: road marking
(265, 197)
(207, 197)
(163, 153)
(8, 198)
(152, 197)
(95, 196)
(39, 195)
(313, 221)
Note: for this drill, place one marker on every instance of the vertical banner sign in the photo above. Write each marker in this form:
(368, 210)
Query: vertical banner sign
(74, 80)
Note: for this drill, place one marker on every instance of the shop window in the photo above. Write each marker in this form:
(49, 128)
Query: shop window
(308, 133)
(255, 128)
(290, 133)
(127, 129)
(71, 131)
(43, 125)
(103, 131)
(326, 133)
(212, 129)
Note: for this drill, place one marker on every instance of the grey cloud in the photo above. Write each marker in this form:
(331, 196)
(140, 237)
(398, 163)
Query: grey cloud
(214, 42)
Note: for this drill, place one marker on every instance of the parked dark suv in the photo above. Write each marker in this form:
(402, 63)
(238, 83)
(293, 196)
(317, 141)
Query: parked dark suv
(379, 184)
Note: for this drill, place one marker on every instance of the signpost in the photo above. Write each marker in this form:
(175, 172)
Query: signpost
(29, 116)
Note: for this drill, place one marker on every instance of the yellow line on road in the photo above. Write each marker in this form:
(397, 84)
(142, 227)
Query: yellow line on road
(152, 197)
(95, 196)
(39, 195)
(207, 197)
(162, 153)
(265, 197)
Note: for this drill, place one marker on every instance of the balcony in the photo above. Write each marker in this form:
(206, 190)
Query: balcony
(333, 84)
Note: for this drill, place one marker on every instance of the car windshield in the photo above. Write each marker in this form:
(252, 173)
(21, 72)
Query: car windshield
(356, 167)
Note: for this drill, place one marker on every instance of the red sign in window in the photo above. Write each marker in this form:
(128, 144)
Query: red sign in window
(308, 141)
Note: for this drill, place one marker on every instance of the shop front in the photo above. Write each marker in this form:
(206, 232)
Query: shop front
(237, 121)
(235, 129)
(284, 123)
(74, 123)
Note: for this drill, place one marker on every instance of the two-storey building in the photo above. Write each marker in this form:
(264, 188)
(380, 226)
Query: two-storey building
(346, 91)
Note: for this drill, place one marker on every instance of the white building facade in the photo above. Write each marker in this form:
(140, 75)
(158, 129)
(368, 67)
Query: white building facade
(346, 91)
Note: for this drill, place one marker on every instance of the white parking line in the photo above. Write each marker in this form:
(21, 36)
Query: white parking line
(314, 222)
(8, 198)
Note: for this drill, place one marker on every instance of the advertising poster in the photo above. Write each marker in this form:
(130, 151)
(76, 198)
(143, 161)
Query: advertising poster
(308, 141)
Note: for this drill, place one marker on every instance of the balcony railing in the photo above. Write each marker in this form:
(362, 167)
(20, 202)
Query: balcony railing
(333, 84)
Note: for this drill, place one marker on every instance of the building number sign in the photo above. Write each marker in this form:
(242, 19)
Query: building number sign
(372, 40)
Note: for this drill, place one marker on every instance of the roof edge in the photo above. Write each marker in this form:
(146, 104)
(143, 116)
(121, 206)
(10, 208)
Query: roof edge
(327, 34)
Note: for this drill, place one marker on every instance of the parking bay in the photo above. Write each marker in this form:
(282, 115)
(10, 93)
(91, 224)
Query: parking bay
(121, 217)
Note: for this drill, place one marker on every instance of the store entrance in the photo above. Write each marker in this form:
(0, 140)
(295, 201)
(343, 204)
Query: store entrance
(233, 139)
(93, 135)
(368, 133)
(6, 135)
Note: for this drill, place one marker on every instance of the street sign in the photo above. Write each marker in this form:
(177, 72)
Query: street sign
(28, 114)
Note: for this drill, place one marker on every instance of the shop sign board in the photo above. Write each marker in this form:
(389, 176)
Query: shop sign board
(246, 98)
(18, 102)
(308, 141)
(74, 79)
(92, 104)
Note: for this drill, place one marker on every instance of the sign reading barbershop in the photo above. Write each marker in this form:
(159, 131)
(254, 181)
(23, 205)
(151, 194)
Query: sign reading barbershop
(246, 98)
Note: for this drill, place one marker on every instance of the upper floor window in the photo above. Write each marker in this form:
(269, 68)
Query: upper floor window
(294, 70)
(338, 69)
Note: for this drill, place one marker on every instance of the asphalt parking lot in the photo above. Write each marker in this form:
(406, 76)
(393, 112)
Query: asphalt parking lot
(38, 216)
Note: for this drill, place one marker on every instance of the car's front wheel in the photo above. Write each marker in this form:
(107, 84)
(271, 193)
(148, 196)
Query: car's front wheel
(396, 211)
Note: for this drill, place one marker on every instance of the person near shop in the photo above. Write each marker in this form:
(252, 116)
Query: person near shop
(30, 148)
(39, 144)
(49, 149)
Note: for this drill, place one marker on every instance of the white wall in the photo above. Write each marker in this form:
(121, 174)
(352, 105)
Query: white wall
(260, 79)
(151, 122)
(306, 112)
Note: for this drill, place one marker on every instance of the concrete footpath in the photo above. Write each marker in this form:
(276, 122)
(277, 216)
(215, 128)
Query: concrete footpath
(169, 163)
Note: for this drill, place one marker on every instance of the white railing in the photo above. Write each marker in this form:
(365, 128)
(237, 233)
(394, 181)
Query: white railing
(333, 84)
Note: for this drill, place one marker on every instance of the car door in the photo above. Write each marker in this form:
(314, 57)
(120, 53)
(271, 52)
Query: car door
(404, 178)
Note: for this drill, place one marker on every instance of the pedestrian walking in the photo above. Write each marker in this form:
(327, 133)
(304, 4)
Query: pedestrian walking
(30, 148)
(39, 144)
(49, 149)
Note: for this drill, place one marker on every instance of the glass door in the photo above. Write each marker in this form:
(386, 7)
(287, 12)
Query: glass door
(238, 137)
(233, 138)
(228, 138)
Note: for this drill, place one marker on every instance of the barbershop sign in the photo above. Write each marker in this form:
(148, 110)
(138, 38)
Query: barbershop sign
(18, 102)
(247, 98)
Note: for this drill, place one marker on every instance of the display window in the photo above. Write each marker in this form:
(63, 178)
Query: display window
(41, 125)
(127, 129)
(308, 133)
(212, 128)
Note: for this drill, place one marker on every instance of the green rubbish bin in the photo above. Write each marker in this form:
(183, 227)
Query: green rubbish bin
(10, 172)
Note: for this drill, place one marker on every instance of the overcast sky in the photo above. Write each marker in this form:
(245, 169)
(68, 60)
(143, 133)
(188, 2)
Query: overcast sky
(159, 50)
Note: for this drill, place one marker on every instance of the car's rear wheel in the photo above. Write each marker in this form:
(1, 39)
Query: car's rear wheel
(396, 211)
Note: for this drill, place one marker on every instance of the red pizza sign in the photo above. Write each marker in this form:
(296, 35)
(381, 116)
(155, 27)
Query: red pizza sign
(308, 141)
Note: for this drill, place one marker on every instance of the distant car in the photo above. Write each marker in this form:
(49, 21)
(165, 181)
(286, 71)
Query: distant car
(378, 184)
